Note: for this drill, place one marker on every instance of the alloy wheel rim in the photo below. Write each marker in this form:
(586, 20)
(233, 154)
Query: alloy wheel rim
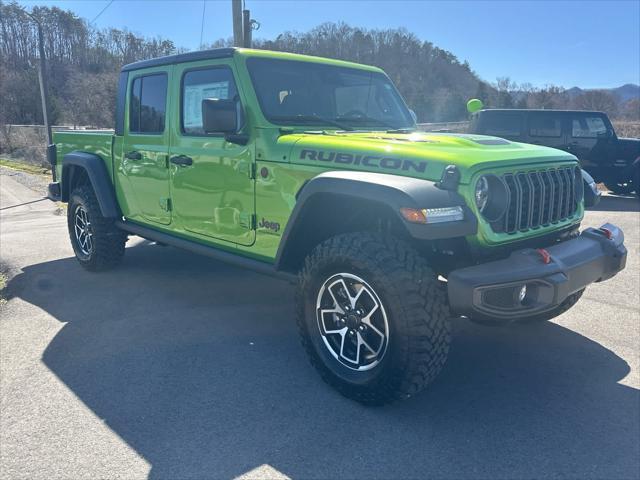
(352, 321)
(83, 230)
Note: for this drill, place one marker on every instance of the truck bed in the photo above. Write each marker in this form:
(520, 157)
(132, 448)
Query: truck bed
(99, 142)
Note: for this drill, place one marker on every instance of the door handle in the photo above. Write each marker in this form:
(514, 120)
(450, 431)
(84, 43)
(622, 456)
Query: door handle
(181, 160)
(133, 155)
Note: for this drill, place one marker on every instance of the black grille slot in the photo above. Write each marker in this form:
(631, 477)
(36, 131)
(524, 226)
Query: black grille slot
(538, 198)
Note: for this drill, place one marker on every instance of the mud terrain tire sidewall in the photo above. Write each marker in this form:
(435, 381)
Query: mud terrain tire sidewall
(416, 308)
(108, 240)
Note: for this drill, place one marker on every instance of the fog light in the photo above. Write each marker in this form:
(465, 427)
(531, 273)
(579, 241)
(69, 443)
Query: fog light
(522, 294)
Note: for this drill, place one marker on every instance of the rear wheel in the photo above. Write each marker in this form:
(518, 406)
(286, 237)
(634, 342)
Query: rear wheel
(373, 317)
(96, 241)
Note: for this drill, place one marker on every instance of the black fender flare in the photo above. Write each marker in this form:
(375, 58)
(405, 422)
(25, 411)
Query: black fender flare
(380, 189)
(96, 170)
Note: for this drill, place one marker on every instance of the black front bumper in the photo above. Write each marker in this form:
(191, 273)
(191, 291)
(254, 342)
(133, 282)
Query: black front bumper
(492, 290)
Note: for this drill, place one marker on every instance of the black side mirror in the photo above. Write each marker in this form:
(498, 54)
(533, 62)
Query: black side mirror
(219, 116)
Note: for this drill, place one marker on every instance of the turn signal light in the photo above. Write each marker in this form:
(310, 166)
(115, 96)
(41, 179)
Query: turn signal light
(432, 215)
(414, 216)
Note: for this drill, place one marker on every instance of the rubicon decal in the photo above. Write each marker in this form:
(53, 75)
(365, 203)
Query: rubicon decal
(389, 163)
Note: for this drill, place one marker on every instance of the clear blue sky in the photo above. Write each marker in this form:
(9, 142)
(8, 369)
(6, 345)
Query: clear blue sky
(588, 44)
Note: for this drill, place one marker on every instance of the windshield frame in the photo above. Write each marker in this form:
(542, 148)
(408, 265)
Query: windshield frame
(330, 124)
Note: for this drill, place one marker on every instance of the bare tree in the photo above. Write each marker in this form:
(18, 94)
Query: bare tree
(598, 100)
(549, 97)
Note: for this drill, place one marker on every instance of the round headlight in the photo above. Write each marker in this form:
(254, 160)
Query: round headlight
(482, 193)
(491, 197)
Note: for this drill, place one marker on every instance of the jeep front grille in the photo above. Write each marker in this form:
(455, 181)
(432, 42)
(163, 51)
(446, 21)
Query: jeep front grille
(539, 198)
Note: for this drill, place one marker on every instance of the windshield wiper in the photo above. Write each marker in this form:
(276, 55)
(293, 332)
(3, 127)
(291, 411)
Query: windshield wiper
(402, 130)
(312, 118)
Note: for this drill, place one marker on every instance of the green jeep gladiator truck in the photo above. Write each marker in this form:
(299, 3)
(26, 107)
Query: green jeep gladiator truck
(312, 170)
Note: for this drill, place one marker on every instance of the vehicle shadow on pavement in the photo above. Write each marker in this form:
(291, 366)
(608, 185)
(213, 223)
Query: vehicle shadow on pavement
(197, 366)
(616, 203)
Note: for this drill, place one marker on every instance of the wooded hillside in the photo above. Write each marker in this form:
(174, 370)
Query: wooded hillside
(83, 64)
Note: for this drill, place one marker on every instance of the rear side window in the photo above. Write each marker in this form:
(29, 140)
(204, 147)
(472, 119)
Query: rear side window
(502, 125)
(545, 125)
(588, 127)
(200, 84)
(147, 107)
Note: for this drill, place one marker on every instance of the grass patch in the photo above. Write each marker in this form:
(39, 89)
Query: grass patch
(24, 167)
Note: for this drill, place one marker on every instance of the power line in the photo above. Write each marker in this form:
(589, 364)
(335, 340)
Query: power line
(204, 7)
(102, 11)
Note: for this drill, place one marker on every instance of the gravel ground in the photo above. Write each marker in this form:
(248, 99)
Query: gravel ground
(37, 183)
(175, 366)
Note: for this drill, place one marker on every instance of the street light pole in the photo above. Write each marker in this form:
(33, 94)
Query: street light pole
(246, 28)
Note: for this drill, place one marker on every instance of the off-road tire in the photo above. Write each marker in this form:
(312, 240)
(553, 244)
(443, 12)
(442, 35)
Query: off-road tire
(107, 240)
(415, 303)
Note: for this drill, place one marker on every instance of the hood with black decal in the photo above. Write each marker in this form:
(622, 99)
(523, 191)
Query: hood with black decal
(416, 154)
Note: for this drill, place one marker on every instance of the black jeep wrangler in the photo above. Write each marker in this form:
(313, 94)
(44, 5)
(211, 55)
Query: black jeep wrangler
(587, 135)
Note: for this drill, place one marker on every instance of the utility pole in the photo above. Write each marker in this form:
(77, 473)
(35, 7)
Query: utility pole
(42, 77)
(247, 27)
(238, 37)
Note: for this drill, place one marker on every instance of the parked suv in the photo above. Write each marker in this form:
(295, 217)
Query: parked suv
(590, 136)
(312, 170)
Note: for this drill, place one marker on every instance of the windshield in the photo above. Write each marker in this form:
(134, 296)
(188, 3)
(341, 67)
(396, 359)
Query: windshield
(305, 93)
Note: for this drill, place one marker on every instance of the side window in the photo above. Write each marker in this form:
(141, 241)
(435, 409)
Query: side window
(588, 127)
(200, 84)
(545, 125)
(148, 104)
(502, 125)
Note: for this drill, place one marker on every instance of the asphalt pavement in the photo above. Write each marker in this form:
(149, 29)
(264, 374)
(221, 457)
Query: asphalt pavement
(176, 366)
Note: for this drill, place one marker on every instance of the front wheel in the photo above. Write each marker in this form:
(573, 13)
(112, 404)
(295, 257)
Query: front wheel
(373, 317)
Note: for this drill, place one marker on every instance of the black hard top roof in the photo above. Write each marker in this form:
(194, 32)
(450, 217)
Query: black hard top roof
(180, 58)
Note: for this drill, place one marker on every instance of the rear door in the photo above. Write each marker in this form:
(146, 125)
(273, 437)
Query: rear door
(142, 167)
(212, 180)
(501, 124)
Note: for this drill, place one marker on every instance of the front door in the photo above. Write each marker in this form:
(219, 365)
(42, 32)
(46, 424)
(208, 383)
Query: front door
(213, 189)
(590, 139)
(142, 166)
